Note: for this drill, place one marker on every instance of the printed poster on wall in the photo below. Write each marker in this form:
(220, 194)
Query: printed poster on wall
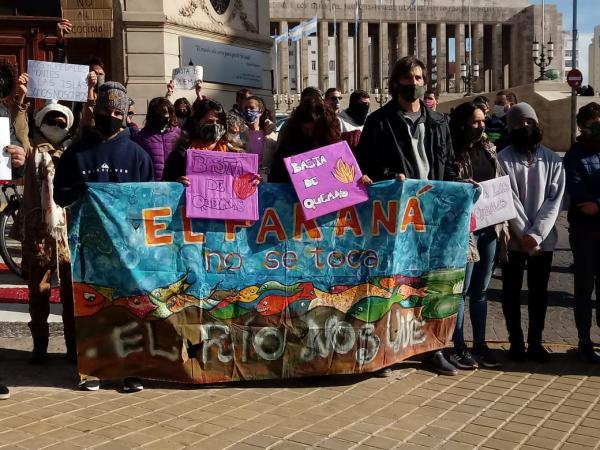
(223, 185)
(161, 296)
(326, 179)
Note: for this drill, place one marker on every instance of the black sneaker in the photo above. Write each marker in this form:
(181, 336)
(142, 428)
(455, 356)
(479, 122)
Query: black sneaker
(440, 364)
(587, 354)
(538, 353)
(485, 357)
(517, 353)
(132, 384)
(384, 373)
(463, 359)
(89, 384)
(4, 392)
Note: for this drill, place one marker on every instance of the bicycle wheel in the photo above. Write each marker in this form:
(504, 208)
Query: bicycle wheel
(10, 248)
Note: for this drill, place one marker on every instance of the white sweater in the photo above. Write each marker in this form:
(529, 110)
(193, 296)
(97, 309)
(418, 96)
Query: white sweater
(538, 187)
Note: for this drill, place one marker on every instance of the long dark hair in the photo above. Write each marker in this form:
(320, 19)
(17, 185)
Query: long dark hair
(156, 109)
(327, 126)
(459, 118)
(265, 113)
(185, 101)
(189, 128)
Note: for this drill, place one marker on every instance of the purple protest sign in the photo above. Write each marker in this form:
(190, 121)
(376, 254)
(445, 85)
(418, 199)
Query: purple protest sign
(223, 185)
(326, 179)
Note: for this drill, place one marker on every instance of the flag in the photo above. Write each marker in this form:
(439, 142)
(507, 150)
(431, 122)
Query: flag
(412, 3)
(309, 27)
(296, 33)
(280, 37)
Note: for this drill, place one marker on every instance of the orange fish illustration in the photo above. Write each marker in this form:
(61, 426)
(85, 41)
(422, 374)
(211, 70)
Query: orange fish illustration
(343, 301)
(409, 291)
(90, 299)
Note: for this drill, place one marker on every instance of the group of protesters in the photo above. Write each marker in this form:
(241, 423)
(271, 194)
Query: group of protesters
(406, 138)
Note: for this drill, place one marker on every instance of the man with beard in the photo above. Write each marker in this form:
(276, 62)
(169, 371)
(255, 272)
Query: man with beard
(537, 180)
(582, 166)
(354, 117)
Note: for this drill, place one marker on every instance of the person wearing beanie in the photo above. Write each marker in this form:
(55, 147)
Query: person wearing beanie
(43, 229)
(537, 180)
(105, 153)
(354, 117)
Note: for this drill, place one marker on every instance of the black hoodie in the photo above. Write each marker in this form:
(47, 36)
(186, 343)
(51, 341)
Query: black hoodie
(95, 160)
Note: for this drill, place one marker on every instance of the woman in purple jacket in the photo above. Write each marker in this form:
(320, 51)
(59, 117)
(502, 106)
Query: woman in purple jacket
(159, 133)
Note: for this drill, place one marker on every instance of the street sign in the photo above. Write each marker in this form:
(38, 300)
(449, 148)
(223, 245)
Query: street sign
(574, 78)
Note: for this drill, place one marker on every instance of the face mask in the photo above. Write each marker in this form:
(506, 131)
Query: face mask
(162, 122)
(526, 138)
(411, 92)
(107, 125)
(358, 112)
(499, 111)
(429, 103)
(473, 135)
(251, 116)
(336, 104)
(211, 132)
(181, 113)
(53, 133)
(595, 132)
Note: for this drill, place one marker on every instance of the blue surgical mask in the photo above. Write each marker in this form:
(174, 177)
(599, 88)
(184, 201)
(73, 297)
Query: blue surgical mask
(251, 116)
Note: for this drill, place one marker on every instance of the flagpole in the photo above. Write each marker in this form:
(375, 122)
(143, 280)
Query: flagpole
(356, 81)
(381, 37)
(417, 28)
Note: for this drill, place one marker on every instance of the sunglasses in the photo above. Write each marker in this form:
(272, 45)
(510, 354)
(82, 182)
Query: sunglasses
(337, 98)
(56, 123)
(130, 113)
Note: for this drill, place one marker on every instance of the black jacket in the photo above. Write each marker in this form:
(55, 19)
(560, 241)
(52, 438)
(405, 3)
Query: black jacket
(385, 147)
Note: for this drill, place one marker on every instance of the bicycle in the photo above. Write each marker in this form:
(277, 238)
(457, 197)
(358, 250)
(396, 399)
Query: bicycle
(10, 248)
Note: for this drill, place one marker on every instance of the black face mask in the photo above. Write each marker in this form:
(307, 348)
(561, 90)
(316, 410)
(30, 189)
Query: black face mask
(358, 112)
(160, 122)
(526, 138)
(473, 135)
(181, 113)
(411, 92)
(107, 125)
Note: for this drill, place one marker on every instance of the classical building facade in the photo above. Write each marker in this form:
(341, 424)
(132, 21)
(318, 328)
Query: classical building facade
(499, 39)
(150, 38)
(594, 60)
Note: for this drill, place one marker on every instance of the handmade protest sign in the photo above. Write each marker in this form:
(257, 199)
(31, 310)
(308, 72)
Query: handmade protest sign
(495, 205)
(57, 81)
(186, 77)
(326, 179)
(5, 166)
(223, 185)
(161, 296)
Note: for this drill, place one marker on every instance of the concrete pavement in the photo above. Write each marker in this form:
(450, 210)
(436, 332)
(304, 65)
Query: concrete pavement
(528, 406)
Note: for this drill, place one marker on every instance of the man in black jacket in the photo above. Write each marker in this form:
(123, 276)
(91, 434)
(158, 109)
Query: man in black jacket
(404, 139)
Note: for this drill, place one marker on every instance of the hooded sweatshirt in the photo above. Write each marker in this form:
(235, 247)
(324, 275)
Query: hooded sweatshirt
(538, 184)
(96, 160)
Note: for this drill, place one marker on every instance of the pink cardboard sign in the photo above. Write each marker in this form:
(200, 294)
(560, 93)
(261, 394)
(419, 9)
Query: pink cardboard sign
(326, 179)
(223, 185)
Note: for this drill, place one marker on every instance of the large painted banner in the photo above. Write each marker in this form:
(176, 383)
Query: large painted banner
(161, 296)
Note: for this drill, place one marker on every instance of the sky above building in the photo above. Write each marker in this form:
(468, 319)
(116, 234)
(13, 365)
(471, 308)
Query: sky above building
(587, 19)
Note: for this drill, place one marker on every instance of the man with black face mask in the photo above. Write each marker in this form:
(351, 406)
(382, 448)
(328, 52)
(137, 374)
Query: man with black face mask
(405, 139)
(537, 180)
(354, 117)
(582, 166)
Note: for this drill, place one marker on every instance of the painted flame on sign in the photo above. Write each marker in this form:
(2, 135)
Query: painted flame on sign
(344, 172)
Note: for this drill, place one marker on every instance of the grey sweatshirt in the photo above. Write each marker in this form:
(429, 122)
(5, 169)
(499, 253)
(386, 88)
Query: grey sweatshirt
(538, 186)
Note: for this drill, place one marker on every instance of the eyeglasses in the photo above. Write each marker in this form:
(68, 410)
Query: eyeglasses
(56, 123)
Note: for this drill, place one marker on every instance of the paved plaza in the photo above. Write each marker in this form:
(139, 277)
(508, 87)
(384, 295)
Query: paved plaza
(528, 406)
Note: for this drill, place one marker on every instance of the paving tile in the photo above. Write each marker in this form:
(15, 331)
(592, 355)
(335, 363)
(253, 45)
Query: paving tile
(468, 438)
(541, 442)
(499, 444)
(305, 437)
(423, 439)
(510, 436)
(334, 444)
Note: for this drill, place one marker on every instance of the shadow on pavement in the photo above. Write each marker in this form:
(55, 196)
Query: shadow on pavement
(555, 298)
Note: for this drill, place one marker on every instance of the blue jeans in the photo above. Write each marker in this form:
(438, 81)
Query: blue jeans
(477, 279)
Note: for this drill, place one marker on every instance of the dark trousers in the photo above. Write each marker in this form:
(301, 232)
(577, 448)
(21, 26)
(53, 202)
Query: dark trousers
(538, 274)
(586, 256)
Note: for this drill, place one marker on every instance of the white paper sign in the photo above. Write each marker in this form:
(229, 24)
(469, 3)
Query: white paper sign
(186, 77)
(57, 81)
(495, 205)
(5, 168)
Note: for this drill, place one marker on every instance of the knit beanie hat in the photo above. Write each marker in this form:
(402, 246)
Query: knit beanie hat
(52, 105)
(113, 95)
(518, 113)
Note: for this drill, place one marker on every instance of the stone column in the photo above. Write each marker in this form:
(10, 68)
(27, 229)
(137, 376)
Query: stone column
(514, 74)
(303, 63)
(323, 55)
(284, 63)
(363, 56)
(342, 57)
(497, 76)
(441, 60)
(402, 40)
(459, 52)
(385, 55)
(422, 42)
(478, 54)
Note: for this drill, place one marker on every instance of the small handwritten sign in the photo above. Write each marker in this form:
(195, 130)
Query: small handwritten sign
(495, 204)
(5, 167)
(186, 77)
(57, 81)
(223, 185)
(326, 179)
